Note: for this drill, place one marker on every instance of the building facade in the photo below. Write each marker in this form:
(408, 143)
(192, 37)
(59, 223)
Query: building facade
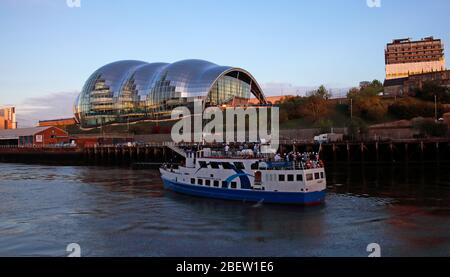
(413, 82)
(404, 57)
(35, 136)
(408, 85)
(8, 118)
(129, 90)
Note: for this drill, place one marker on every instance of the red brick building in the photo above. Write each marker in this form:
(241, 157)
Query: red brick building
(36, 136)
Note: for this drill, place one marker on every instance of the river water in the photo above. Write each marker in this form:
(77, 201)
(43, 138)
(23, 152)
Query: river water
(112, 211)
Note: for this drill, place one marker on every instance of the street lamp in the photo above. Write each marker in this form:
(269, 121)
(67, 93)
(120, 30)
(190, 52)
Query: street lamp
(351, 109)
(435, 108)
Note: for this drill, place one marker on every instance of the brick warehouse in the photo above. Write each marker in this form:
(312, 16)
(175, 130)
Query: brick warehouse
(36, 136)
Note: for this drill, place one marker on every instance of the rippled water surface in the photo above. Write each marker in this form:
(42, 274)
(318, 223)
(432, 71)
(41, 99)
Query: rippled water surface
(113, 211)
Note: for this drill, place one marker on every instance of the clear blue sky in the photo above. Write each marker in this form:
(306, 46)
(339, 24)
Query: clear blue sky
(47, 47)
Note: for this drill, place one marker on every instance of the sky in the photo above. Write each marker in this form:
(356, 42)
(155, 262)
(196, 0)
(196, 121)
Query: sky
(48, 49)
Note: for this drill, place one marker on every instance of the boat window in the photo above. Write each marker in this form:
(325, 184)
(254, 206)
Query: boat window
(193, 181)
(233, 185)
(316, 175)
(216, 184)
(200, 181)
(224, 184)
(208, 183)
(227, 165)
(299, 177)
(254, 165)
(239, 165)
(321, 175)
(214, 165)
(309, 177)
(203, 164)
(258, 176)
(281, 178)
(290, 178)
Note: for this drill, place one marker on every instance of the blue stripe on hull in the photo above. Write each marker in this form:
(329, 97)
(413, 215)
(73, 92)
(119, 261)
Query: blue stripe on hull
(307, 198)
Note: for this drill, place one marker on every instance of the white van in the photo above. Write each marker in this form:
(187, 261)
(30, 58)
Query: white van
(330, 137)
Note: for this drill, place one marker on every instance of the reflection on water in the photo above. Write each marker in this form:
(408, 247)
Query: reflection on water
(409, 184)
(123, 212)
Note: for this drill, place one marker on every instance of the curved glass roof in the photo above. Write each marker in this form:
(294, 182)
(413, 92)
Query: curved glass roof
(190, 77)
(122, 87)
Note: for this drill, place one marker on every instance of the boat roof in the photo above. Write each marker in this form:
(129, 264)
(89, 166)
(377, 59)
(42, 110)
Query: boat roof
(232, 158)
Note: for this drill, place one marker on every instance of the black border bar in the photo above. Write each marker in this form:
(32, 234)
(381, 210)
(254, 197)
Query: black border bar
(223, 266)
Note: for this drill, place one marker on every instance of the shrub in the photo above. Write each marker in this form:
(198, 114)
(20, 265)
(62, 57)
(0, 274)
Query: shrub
(357, 127)
(429, 127)
(407, 108)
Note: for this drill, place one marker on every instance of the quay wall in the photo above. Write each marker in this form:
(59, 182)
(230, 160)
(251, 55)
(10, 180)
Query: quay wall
(395, 151)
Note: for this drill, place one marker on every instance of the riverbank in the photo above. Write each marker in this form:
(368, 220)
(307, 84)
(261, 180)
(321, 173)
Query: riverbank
(392, 151)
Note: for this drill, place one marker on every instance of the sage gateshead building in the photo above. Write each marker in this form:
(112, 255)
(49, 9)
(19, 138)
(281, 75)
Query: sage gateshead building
(127, 91)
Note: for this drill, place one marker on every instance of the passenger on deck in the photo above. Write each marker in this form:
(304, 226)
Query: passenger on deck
(277, 157)
(226, 149)
(255, 150)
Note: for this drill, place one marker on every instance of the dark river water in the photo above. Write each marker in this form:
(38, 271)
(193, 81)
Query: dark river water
(113, 211)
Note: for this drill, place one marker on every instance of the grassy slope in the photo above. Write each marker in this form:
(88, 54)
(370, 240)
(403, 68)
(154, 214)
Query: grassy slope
(339, 116)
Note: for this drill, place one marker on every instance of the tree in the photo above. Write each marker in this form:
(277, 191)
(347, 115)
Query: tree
(352, 93)
(371, 108)
(321, 92)
(284, 115)
(357, 127)
(289, 106)
(367, 104)
(409, 107)
(430, 89)
(324, 126)
(377, 85)
(428, 127)
(314, 108)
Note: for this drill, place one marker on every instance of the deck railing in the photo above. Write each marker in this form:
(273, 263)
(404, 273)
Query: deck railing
(38, 146)
(294, 165)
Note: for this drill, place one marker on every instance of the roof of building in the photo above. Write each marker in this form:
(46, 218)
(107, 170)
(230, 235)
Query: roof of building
(189, 78)
(410, 40)
(394, 82)
(58, 119)
(271, 99)
(393, 124)
(21, 132)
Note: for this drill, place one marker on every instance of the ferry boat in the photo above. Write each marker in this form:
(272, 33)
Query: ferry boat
(213, 174)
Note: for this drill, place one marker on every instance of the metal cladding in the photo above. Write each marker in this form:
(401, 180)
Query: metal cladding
(130, 90)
